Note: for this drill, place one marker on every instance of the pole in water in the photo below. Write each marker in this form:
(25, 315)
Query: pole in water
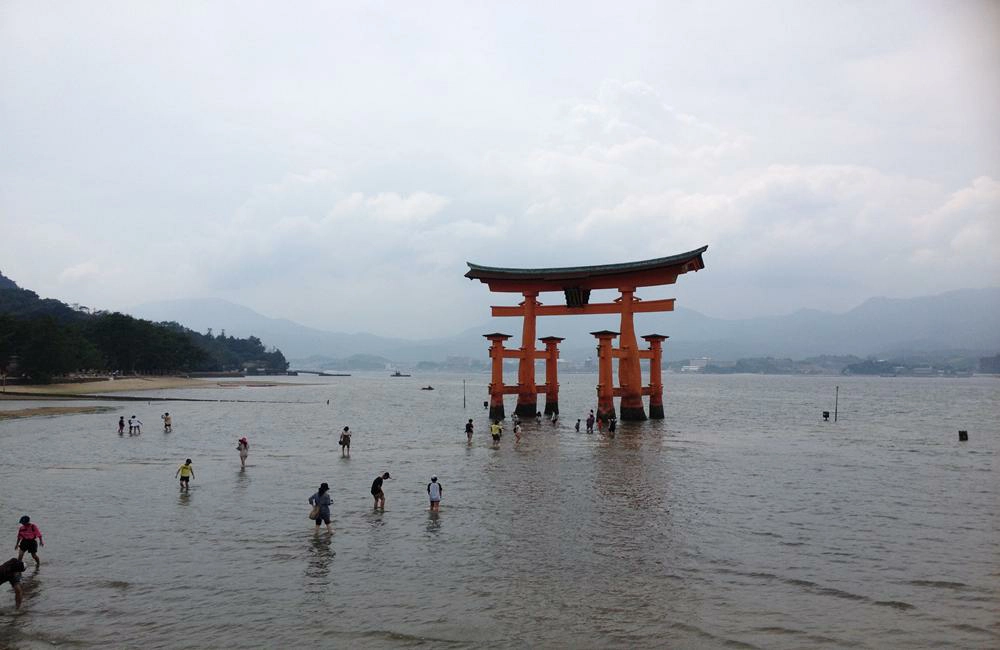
(463, 393)
(836, 403)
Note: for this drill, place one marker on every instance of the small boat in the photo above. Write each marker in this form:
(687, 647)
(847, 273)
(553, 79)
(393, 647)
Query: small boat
(398, 374)
(427, 388)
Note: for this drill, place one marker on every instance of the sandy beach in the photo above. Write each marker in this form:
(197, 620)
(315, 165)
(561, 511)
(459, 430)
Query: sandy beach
(48, 411)
(126, 385)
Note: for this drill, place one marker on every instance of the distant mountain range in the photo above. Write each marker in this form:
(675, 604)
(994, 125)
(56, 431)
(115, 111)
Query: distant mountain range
(966, 320)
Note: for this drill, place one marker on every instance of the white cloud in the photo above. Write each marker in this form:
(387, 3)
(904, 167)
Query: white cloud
(309, 165)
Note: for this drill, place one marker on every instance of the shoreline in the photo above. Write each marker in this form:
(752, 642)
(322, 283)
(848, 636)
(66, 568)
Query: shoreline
(99, 389)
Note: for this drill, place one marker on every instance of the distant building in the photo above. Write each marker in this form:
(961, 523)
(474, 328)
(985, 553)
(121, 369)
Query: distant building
(990, 365)
(696, 365)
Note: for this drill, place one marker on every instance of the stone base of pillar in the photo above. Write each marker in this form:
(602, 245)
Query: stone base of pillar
(631, 408)
(656, 411)
(496, 410)
(526, 409)
(633, 413)
(605, 411)
(551, 406)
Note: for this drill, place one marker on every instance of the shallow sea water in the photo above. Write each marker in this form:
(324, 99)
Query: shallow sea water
(741, 520)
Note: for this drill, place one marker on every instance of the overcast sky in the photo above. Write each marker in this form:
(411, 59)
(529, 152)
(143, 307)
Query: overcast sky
(337, 164)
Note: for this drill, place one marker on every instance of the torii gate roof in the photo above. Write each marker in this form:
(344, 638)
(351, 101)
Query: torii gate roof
(645, 273)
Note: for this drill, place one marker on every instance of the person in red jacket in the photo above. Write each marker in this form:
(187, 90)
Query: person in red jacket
(28, 539)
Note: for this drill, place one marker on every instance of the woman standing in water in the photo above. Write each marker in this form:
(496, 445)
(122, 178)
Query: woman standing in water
(323, 500)
(345, 442)
(244, 448)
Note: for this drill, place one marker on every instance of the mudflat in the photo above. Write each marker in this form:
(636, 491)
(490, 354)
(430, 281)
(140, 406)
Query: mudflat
(128, 384)
(42, 411)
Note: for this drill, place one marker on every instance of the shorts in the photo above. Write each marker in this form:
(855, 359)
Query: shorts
(29, 545)
(185, 479)
(345, 442)
(378, 494)
(322, 520)
(496, 437)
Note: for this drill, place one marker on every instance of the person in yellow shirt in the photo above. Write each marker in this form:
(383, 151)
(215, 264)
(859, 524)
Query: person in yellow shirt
(495, 430)
(186, 472)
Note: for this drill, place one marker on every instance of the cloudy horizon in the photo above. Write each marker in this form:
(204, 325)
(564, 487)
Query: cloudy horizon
(337, 164)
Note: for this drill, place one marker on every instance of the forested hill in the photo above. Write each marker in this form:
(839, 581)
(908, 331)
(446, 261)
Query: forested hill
(44, 338)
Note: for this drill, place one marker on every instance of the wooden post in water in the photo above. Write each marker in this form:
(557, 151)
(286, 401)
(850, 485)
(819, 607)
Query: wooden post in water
(463, 393)
(836, 403)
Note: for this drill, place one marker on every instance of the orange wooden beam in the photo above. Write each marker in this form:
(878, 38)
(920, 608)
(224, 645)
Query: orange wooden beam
(642, 306)
(515, 353)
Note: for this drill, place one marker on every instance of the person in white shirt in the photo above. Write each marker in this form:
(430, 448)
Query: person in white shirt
(434, 491)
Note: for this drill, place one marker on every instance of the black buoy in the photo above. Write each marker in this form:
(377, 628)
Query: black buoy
(826, 416)
(963, 436)
(486, 405)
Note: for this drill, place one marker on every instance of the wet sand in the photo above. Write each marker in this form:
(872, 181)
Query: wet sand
(127, 385)
(48, 411)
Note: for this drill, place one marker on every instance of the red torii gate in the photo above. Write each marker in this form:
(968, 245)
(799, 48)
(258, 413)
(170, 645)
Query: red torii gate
(576, 283)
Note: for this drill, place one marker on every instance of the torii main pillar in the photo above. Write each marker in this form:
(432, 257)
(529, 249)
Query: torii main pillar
(527, 395)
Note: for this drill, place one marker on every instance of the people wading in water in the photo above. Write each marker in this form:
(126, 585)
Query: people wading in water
(244, 448)
(28, 539)
(322, 499)
(377, 492)
(345, 442)
(186, 472)
(434, 491)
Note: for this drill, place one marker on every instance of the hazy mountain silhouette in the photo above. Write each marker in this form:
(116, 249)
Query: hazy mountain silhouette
(967, 319)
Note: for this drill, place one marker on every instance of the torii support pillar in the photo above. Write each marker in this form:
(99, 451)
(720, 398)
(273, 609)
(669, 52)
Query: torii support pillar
(605, 380)
(655, 375)
(551, 374)
(496, 382)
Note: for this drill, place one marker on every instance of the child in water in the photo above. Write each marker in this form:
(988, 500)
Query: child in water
(28, 539)
(186, 472)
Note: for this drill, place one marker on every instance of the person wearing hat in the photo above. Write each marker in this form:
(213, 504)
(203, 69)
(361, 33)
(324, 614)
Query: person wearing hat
(10, 571)
(28, 539)
(244, 448)
(322, 501)
(434, 491)
(377, 492)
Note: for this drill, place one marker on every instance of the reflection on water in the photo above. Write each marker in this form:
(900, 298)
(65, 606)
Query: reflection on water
(433, 521)
(320, 558)
(742, 520)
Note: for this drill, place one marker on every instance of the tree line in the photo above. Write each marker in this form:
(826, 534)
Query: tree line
(48, 338)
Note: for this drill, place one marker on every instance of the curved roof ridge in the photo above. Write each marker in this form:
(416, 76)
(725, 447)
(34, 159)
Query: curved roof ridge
(478, 271)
